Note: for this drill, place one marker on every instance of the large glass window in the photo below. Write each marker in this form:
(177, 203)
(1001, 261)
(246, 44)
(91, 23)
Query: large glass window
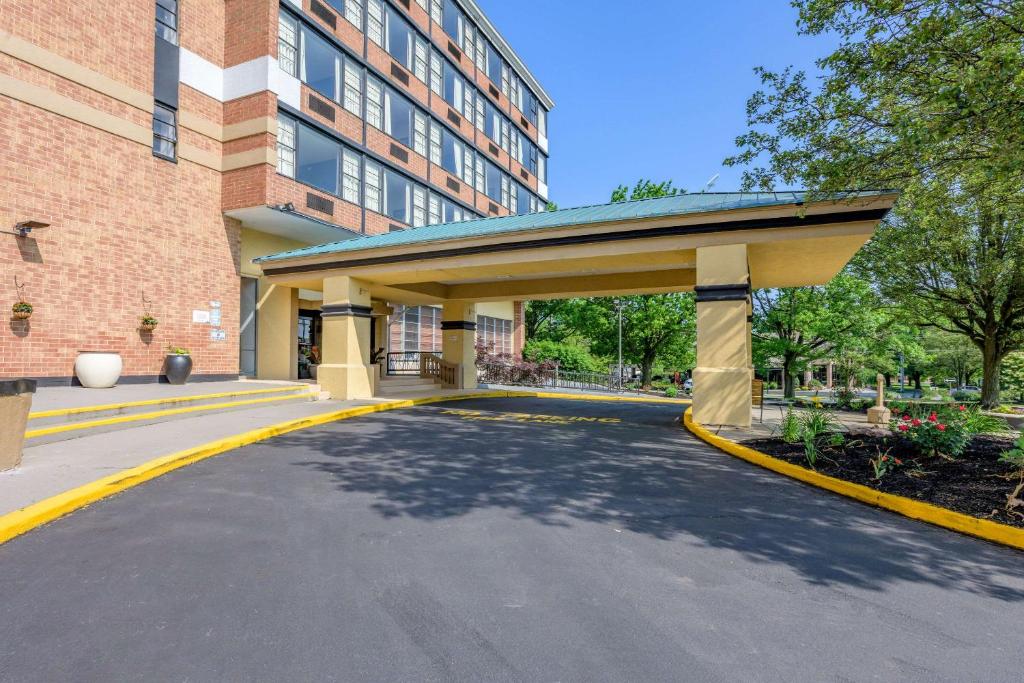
(399, 34)
(494, 334)
(398, 117)
(288, 44)
(319, 64)
(494, 65)
(352, 10)
(319, 158)
(493, 180)
(453, 20)
(167, 20)
(396, 196)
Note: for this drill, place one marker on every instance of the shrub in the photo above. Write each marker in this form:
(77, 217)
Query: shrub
(773, 385)
(965, 396)
(671, 391)
(815, 384)
(814, 425)
(569, 357)
(790, 427)
(977, 422)
(1015, 458)
(945, 436)
(844, 397)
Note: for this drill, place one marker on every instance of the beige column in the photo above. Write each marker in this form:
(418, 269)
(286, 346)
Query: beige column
(15, 404)
(277, 331)
(346, 316)
(458, 340)
(722, 378)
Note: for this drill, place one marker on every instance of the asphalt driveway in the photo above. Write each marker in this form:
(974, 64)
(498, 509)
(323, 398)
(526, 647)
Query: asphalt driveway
(501, 540)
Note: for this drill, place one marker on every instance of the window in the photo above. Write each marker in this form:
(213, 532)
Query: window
(288, 44)
(350, 176)
(542, 168)
(375, 103)
(419, 132)
(420, 58)
(419, 206)
(495, 334)
(526, 202)
(353, 95)
(452, 212)
(318, 160)
(399, 37)
(165, 132)
(372, 187)
(495, 65)
(436, 11)
(286, 146)
(456, 156)
(542, 122)
(398, 117)
(493, 180)
(319, 64)
(350, 9)
(167, 20)
(415, 328)
(436, 72)
(453, 21)
(375, 21)
(478, 177)
(396, 196)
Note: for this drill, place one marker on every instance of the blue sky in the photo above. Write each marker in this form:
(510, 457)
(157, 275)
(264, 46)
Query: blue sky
(648, 88)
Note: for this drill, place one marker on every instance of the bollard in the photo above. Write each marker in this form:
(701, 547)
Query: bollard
(15, 403)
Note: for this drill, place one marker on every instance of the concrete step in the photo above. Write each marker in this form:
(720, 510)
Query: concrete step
(405, 380)
(78, 424)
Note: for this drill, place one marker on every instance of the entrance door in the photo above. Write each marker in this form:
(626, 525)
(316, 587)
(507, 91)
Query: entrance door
(247, 329)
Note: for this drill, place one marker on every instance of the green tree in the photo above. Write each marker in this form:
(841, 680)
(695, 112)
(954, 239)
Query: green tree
(645, 189)
(654, 326)
(570, 357)
(953, 357)
(955, 261)
(915, 90)
(1013, 375)
(801, 324)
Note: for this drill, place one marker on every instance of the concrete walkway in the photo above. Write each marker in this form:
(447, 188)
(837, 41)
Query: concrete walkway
(52, 398)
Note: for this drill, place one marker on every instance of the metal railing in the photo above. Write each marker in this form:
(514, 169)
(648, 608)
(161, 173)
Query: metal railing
(518, 375)
(407, 362)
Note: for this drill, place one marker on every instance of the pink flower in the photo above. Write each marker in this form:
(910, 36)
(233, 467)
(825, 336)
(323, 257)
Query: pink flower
(906, 418)
(933, 418)
(941, 427)
(904, 428)
(916, 422)
(963, 408)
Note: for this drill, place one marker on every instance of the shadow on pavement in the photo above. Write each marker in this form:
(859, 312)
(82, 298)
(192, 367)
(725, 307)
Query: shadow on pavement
(645, 475)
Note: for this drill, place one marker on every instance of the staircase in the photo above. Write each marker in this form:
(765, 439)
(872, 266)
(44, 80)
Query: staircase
(399, 385)
(48, 426)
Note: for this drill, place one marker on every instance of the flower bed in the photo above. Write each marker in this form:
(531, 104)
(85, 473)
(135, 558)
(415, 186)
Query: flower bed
(975, 483)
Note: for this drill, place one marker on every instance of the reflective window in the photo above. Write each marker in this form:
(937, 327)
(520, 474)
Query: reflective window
(396, 196)
(493, 182)
(399, 42)
(494, 65)
(318, 160)
(453, 21)
(319, 64)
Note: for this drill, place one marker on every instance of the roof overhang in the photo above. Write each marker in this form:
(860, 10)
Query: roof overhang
(788, 245)
(290, 223)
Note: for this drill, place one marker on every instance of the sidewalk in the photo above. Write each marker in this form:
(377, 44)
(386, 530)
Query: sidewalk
(53, 398)
(855, 423)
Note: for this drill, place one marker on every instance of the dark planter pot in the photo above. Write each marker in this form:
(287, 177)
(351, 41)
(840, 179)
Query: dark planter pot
(177, 368)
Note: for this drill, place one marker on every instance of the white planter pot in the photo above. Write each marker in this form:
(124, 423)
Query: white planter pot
(98, 369)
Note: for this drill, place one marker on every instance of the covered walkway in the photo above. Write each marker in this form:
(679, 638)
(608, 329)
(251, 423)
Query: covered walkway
(720, 245)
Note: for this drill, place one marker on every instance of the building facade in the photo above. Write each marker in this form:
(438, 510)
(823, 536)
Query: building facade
(164, 145)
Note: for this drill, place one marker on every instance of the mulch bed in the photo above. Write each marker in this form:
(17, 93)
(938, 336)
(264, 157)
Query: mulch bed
(973, 484)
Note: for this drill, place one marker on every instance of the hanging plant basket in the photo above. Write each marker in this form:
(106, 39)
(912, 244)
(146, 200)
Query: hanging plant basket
(148, 323)
(22, 310)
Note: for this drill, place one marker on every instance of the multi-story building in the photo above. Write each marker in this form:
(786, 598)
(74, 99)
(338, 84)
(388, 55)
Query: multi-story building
(166, 144)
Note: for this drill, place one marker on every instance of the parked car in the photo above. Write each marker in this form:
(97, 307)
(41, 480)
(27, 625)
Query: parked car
(688, 386)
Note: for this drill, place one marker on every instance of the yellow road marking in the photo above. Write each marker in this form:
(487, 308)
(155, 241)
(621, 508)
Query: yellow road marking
(487, 416)
(120, 419)
(158, 401)
(982, 528)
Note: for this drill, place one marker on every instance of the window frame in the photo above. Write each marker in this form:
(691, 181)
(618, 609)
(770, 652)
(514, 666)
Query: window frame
(170, 137)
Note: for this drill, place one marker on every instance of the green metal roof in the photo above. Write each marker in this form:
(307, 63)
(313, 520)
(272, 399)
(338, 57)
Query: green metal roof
(678, 205)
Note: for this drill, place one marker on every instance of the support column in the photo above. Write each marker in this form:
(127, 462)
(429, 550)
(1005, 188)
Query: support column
(458, 340)
(345, 371)
(277, 337)
(724, 372)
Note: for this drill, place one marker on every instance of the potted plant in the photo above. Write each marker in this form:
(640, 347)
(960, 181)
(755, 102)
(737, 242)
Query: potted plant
(22, 310)
(98, 369)
(148, 323)
(314, 361)
(177, 365)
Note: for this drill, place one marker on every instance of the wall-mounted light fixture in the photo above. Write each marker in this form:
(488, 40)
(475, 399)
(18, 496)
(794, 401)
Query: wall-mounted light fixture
(23, 228)
(289, 207)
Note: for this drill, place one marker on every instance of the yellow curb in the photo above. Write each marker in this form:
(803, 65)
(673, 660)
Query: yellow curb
(120, 419)
(925, 512)
(57, 412)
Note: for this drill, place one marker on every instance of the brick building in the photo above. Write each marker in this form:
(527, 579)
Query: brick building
(164, 161)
